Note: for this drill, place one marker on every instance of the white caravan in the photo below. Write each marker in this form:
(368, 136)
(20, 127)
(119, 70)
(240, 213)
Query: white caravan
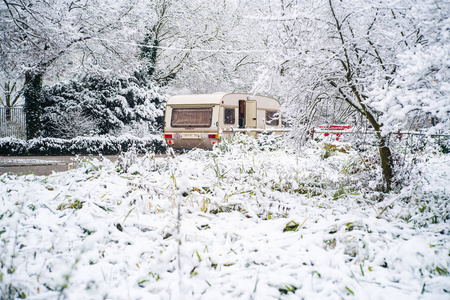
(198, 121)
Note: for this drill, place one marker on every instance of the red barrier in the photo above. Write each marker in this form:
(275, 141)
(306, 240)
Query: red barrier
(333, 127)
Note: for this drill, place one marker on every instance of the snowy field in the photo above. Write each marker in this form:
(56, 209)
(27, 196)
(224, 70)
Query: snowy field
(248, 220)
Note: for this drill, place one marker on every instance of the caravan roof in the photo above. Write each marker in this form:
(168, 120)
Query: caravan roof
(223, 98)
(215, 98)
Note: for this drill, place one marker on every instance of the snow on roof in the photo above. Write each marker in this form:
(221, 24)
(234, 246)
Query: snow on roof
(214, 98)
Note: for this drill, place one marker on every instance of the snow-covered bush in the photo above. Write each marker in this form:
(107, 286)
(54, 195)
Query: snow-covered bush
(71, 123)
(103, 106)
(82, 145)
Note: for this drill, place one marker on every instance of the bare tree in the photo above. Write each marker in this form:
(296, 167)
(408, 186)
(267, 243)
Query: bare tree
(10, 97)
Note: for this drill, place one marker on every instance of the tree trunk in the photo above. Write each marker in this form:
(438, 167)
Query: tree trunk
(386, 162)
(33, 103)
(383, 147)
(8, 114)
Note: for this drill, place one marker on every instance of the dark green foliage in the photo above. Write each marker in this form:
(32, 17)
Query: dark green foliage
(148, 55)
(111, 103)
(287, 289)
(291, 226)
(443, 144)
(80, 145)
(148, 72)
(33, 103)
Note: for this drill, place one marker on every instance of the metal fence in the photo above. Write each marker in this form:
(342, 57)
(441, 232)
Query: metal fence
(12, 122)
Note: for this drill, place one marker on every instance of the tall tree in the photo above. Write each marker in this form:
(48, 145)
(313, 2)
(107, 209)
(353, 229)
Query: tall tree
(338, 54)
(38, 35)
(209, 45)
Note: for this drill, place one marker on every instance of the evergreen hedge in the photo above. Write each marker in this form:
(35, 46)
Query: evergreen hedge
(105, 145)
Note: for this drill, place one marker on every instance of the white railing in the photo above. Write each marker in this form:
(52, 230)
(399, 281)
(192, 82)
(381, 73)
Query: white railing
(256, 130)
(399, 133)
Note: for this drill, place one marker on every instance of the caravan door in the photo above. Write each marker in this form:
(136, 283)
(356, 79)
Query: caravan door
(250, 114)
(247, 113)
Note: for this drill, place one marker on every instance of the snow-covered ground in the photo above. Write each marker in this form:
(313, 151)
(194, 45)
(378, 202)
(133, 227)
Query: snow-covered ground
(248, 220)
(5, 160)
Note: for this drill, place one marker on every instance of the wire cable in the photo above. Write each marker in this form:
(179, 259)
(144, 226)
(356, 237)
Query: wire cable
(184, 49)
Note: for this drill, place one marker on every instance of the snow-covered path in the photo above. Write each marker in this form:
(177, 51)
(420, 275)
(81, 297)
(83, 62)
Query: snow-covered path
(234, 223)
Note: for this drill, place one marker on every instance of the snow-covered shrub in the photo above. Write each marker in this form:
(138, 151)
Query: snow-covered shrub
(104, 106)
(127, 159)
(71, 123)
(138, 129)
(105, 145)
(245, 143)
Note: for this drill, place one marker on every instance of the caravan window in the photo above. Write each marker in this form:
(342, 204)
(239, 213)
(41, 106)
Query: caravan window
(272, 118)
(192, 117)
(229, 117)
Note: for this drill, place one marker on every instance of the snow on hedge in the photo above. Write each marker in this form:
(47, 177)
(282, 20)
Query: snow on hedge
(105, 145)
(248, 220)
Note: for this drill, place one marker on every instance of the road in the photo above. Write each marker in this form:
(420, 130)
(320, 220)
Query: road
(39, 165)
